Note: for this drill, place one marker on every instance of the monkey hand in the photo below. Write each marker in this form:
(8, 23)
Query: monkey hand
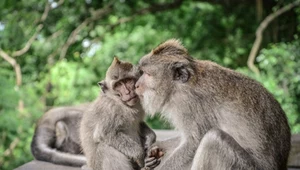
(155, 152)
(153, 158)
(151, 163)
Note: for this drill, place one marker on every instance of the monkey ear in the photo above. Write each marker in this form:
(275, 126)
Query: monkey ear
(181, 72)
(103, 86)
(116, 60)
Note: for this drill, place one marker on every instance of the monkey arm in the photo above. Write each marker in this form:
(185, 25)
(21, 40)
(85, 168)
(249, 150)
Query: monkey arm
(127, 145)
(117, 135)
(41, 148)
(169, 144)
(147, 134)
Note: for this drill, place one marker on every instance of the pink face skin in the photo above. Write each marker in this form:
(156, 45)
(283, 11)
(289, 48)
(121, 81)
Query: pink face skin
(126, 90)
(141, 84)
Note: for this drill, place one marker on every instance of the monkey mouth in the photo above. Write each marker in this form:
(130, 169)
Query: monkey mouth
(132, 101)
(131, 98)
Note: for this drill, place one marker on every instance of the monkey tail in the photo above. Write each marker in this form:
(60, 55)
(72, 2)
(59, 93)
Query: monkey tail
(41, 148)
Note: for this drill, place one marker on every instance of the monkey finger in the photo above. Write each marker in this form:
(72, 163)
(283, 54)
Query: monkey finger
(160, 154)
(157, 162)
(152, 164)
(154, 151)
(149, 159)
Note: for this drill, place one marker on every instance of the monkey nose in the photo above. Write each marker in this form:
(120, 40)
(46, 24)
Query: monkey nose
(127, 91)
(137, 85)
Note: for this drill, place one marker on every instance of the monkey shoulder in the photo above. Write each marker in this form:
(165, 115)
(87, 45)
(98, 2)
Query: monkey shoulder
(114, 106)
(105, 115)
(226, 82)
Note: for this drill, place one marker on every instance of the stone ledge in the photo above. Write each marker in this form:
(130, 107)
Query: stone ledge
(294, 160)
(38, 165)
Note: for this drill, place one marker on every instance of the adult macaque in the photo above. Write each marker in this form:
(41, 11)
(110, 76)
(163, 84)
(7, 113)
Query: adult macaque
(226, 120)
(56, 137)
(113, 133)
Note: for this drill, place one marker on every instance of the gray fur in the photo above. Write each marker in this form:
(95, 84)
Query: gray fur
(112, 133)
(226, 120)
(56, 137)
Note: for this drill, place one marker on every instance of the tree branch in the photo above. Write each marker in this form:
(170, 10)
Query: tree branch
(14, 64)
(154, 8)
(46, 12)
(98, 14)
(37, 31)
(27, 46)
(259, 34)
(102, 12)
(48, 8)
(29, 42)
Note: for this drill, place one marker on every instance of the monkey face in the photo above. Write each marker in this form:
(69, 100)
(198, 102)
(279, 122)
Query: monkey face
(119, 82)
(125, 89)
(153, 87)
(164, 70)
(142, 84)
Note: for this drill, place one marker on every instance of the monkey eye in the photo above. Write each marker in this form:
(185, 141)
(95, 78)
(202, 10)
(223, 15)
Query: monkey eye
(141, 72)
(117, 84)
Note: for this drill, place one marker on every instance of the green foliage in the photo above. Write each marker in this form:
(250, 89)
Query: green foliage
(280, 74)
(69, 81)
(16, 130)
(8, 97)
(281, 66)
(156, 122)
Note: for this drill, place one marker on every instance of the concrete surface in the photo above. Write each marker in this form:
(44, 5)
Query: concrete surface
(294, 160)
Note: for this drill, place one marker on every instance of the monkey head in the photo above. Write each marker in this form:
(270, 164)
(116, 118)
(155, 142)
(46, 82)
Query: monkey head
(120, 82)
(164, 70)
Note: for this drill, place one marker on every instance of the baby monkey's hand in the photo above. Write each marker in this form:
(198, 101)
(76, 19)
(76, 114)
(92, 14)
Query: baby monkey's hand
(153, 158)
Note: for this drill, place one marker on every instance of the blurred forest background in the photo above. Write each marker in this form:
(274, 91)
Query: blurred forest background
(54, 52)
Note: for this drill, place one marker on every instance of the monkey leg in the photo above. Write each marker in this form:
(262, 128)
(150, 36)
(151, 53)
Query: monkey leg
(115, 160)
(218, 150)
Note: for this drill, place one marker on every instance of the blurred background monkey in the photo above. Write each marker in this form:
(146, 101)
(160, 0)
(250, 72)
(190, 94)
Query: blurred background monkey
(56, 137)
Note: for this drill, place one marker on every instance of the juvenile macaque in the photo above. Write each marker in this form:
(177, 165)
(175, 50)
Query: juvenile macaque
(56, 137)
(226, 120)
(113, 133)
